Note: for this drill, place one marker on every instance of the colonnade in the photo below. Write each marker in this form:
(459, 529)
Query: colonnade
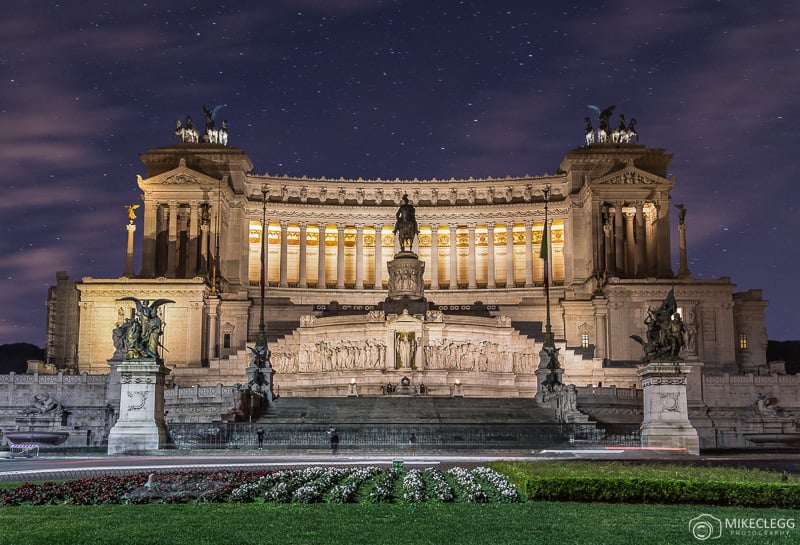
(354, 256)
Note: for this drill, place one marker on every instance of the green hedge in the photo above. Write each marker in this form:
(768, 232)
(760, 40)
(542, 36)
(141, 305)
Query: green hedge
(639, 490)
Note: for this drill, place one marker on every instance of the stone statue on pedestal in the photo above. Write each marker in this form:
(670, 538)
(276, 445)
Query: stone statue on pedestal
(406, 228)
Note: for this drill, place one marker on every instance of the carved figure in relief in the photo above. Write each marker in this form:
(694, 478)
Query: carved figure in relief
(42, 404)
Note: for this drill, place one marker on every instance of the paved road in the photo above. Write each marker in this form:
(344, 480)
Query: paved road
(55, 467)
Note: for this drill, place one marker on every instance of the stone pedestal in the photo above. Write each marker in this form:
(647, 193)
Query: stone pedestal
(549, 372)
(140, 426)
(406, 285)
(666, 417)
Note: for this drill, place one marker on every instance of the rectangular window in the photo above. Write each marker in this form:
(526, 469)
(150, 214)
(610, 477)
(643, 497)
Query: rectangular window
(584, 340)
(742, 341)
(226, 340)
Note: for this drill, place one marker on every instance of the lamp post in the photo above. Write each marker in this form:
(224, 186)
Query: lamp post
(262, 340)
(549, 341)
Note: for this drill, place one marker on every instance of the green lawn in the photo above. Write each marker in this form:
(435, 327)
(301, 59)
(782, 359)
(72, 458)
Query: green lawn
(375, 524)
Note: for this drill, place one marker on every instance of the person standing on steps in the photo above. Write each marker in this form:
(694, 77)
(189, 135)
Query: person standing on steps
(412, 442)
(334, 442)
(260, 435)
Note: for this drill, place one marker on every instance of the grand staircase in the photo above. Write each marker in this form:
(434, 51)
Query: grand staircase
(385, 425)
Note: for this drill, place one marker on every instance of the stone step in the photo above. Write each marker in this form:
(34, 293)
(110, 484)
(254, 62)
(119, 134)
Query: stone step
(420, 409)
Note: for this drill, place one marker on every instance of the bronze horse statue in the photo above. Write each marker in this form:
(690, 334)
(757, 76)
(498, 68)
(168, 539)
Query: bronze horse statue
(406, 228)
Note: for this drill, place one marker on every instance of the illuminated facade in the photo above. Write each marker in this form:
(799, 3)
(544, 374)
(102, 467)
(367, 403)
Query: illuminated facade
(329, 240)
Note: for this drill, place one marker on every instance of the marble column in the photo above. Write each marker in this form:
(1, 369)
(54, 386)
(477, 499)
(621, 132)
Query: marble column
(321, 258)
(172, 248)
(490, 282)
(619, 242)
(378, 256)
(339, 256)
(608, 241)
(528, 253)
(194, 241)
(435, 256)
(203, 269)
(284, 253)
(131, 228)
(149, 242)
(359, 256)
(630, 243)
(510, 255)
(471, 261)
(302, 281)
(641, 246)
(453, 258)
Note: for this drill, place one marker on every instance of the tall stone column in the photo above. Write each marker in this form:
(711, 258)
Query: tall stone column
(321, 258)
(490, 282)
(630, 243)
(453, 258)
(378, 256)
(359, 256)
(129, 251)
(435, 256)
(172, 248)
(662, 239)
(340, 256)
(510, 255)
(666, 415)
(471, 261)
(608, 241)
(194, 242)
(528, 253)
(284, 263)
(619, 242)
(683, 272)
(641, 245)
(150, 236)
(203, 268)
(302, 281)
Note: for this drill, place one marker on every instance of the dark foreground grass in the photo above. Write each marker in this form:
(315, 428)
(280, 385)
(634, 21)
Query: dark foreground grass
(375, 524)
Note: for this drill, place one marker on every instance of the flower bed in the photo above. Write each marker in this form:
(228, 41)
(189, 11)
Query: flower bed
(309, 485)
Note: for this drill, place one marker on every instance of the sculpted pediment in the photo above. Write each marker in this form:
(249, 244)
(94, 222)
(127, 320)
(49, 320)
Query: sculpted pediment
(405, 319)
(181, 175)
(631, 175)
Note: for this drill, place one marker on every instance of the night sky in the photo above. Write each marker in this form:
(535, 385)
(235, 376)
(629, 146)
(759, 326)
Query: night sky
(382, 89)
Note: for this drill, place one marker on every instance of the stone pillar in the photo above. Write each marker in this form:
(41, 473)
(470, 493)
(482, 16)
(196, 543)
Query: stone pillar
(630, 245)
(321, 258)
(435, 256)
(471, 261)
(213, 332)
(129, 251)
(378, 256)
(302, 281)
(683, 272)
(510, 254)
(284, 254)
(173, 239)
(666, 416)
(490, 282)
(203, 269)
(359, 256)
(149, 242)
(453, 258)
(140, 426)
(194, 220)
(339, 256)
(608, 241)
(528, 253)
(619, 242)
(662, 239)
(641, 245)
